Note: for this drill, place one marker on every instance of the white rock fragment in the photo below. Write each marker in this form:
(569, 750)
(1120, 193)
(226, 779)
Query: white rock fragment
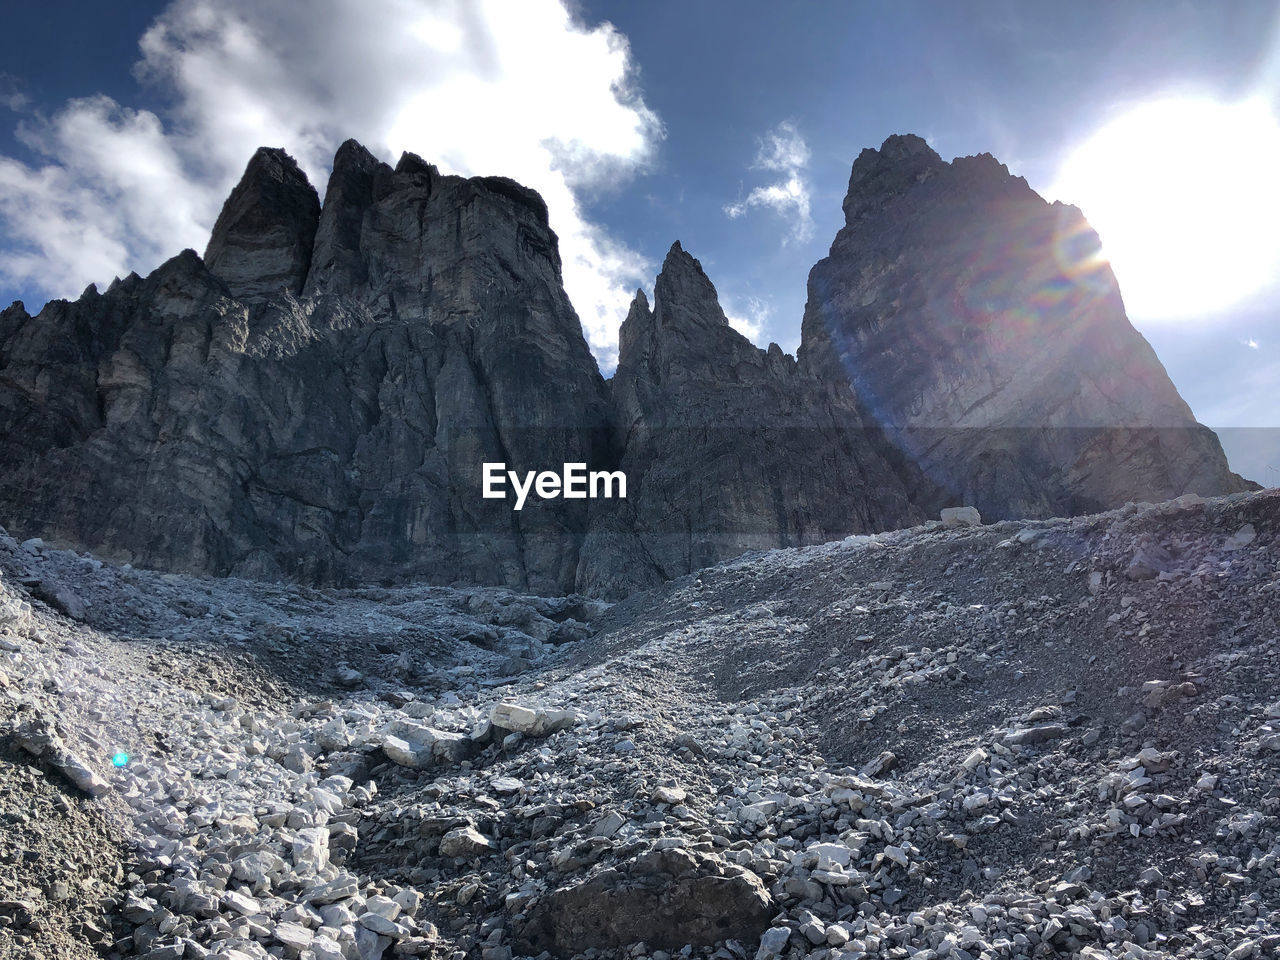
(533, 722)
(669, 795)
(609, 825)
(242, 904)
(401, 752)
(1241, 538)
(464, 842)
(409, 901)
(773, 943)
(341, 887)
(505, 786)
(961, 517)
(976, 758)
(382, 926)
(15, 615)
(897, 854)
(310, 849)
(326, 948)
(294, 936)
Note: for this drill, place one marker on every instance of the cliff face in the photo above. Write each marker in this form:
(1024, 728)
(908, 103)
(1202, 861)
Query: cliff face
(978, 326)
(730, 447)
(315, 397)
(316, 413)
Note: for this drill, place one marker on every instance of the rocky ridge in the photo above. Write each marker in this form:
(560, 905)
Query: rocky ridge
(313, 399)
(732, 447)
(1020, 740)
(218, 422)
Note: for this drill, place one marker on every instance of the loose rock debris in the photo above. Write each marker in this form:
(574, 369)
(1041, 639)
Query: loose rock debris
(1051, 738)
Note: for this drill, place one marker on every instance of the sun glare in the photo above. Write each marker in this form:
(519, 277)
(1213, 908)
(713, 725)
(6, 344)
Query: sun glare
(1186, 199)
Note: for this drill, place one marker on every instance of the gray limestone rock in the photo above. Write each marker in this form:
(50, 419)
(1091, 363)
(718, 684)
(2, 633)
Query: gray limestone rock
(665, 898)
(731, 447)
(983, 332)
(314, 398)
(262, 241)
(337, 436)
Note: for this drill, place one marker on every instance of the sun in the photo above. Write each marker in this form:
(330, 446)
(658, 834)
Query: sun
(1185, 196)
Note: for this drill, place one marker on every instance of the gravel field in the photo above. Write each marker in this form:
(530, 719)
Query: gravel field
(1040, 739)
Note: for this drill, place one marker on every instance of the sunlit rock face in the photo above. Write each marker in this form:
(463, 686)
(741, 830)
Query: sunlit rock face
(980, 329)
(314, 398)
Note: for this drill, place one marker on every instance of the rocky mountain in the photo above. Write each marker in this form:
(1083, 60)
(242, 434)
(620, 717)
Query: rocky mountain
(981, 330)
(731, 447)
(313, 399)
(315, 396)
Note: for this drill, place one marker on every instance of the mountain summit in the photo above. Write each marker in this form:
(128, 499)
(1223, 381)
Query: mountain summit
(315, 397)
(980, 327)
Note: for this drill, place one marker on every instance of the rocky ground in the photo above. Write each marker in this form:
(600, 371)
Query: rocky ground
(1013, 740)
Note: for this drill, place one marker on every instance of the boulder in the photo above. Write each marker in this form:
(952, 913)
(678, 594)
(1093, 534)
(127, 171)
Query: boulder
(961, 517)
(665, 898)
(532, 721)
(464, 842)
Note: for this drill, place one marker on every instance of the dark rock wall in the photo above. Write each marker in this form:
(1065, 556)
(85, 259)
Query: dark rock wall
(978, 326)
(180, 423)
(730, 447)
(315, 396)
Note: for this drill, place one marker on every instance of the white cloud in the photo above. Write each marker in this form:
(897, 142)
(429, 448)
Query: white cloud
(1251, 343)
(12, 96)
(510, 87)
(750, 318)
(782, 150)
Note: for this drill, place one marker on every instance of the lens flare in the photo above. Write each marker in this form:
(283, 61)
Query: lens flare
(1185, 197)
(119, 759)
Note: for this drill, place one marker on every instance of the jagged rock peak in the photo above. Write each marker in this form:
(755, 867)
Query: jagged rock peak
(337, 264)
(903, 159)
(639, 312)
(686, 334)
(352, 156)
(412, 163)
(683, 294)
(635, 336)
(263, 238)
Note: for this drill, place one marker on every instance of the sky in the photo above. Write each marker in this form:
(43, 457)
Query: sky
(730, 126)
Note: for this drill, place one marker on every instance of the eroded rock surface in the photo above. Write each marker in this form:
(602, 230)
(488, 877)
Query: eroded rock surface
(979, 326)
(730, 447)
(972, 741)
(208, 419)
(261, 243)
(315, 397)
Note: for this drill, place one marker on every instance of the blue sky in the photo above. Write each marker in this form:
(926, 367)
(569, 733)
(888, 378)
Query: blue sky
(653, 129)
